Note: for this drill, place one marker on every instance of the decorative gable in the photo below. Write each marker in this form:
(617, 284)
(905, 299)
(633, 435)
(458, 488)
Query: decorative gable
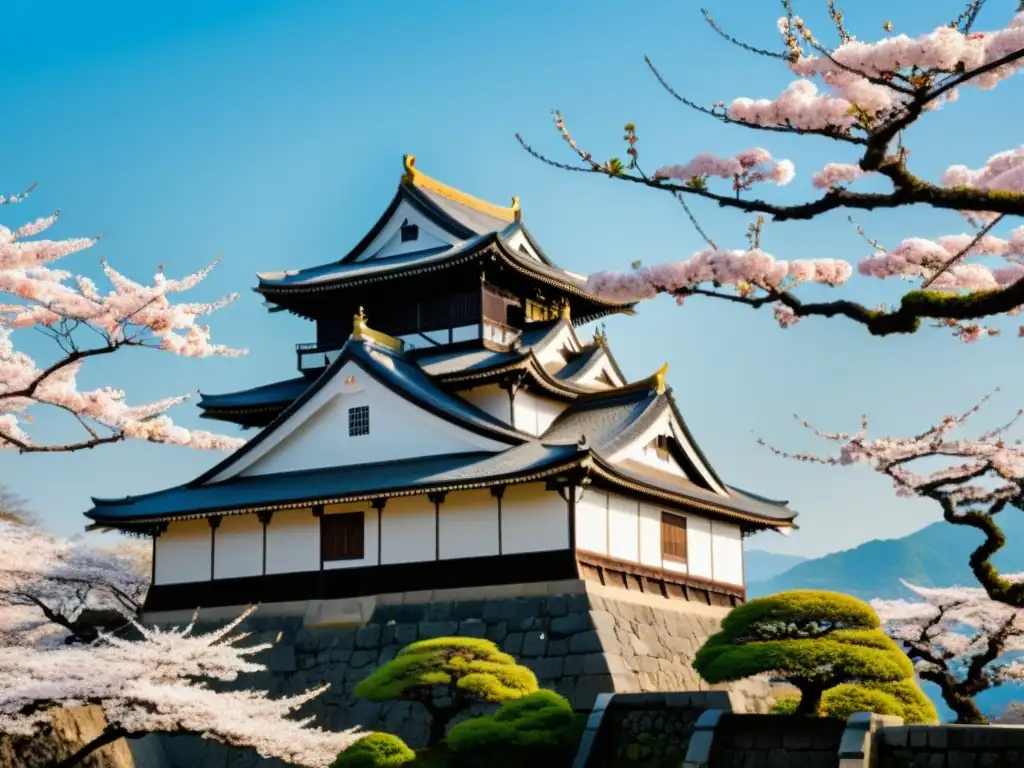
(660, 447)
(407, 230)
(354, 419)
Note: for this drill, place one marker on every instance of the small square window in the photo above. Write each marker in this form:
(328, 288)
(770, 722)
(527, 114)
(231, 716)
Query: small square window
(410, 232)
(359, 421)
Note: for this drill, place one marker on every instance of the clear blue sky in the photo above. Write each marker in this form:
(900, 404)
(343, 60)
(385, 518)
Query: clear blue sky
(272, 133)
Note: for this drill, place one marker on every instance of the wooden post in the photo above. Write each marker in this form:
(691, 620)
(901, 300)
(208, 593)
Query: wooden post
(378, 504)
(498, 492)
(214, 525)
(437, 499)
(264, 517)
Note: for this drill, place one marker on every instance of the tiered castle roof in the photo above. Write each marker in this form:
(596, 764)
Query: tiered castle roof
(431, 239)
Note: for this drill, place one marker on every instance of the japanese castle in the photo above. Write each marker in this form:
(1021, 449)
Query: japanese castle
(450, 427)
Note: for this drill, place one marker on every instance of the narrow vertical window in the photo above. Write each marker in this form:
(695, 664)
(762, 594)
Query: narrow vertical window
(359, 421)
(673, 538)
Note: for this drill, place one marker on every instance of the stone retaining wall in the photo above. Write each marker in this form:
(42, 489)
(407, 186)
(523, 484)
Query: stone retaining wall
(580, 640)
(952, 746)
(776, 741)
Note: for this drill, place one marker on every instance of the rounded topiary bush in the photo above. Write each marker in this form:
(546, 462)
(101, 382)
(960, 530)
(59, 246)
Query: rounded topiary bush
(810, 639)
(470, 669)
(903, 699)
(377, 750)
(539, 729)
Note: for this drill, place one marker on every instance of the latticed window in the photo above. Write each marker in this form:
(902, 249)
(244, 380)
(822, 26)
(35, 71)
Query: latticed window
(359, 421)
(341, 536)
(673, 537)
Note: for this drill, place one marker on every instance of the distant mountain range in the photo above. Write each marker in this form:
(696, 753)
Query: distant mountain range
(933, 556)
(759, 565)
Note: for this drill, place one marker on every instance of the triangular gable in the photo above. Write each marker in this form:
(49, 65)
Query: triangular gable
(551, 350)
(682, 458)
(407, 419)
(429, 233)
(598, 372)
(518, 241)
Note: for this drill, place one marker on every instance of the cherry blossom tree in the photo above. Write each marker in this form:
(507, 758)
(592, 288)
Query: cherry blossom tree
(60, 591)
(976, 480)
(958, 638)
(144, 680)
(85, 323)
(862, 96)
(159, 684)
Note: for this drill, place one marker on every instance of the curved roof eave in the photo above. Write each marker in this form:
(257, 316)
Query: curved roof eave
(611, 473)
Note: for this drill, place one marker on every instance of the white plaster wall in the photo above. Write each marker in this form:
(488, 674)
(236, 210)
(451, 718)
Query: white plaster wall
(293, 541)
(592, 522)
(534, 413)
(727, 550)
(369, 534)
(317, 434)
(650, 535)
(623, 528)
(469, 525)
(388, 241)
(408, 533)
(698, 546)
(238, 547)
(533, 520)
(490, 399)
(183, 552)
(550, 354)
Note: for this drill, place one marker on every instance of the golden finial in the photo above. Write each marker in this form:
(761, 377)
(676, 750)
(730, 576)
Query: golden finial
(359, 326)
(565, 310)
(516, 211)
(363, 332)
(659, 379)
(599, 336)
(409, 164)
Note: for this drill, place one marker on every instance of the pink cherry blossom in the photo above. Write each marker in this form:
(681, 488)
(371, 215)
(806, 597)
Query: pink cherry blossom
(834, 174)
(159, 683)
(747, 168)
(960, 639)
(65, 306)
(855, 70)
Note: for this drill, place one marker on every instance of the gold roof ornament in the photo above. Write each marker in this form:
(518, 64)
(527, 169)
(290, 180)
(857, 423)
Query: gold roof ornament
(659, 379)
(565, 309)
(517, 212)
(363, 332)
(600, 337)
(413, 176)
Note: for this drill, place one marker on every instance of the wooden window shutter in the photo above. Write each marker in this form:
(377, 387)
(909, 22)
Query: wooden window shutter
(673, 537)
(342, 536)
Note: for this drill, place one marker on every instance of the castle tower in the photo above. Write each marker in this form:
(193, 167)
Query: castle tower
(451, 437)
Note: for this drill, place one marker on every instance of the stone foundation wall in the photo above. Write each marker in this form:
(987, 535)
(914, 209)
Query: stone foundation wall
(777, 741)
(580, 640)
(952, 746)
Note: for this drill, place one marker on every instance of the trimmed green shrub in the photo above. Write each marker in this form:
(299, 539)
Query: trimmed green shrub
(540, 729)
(812, 640)
(903, 699)
(377, 750)
(465, 669)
